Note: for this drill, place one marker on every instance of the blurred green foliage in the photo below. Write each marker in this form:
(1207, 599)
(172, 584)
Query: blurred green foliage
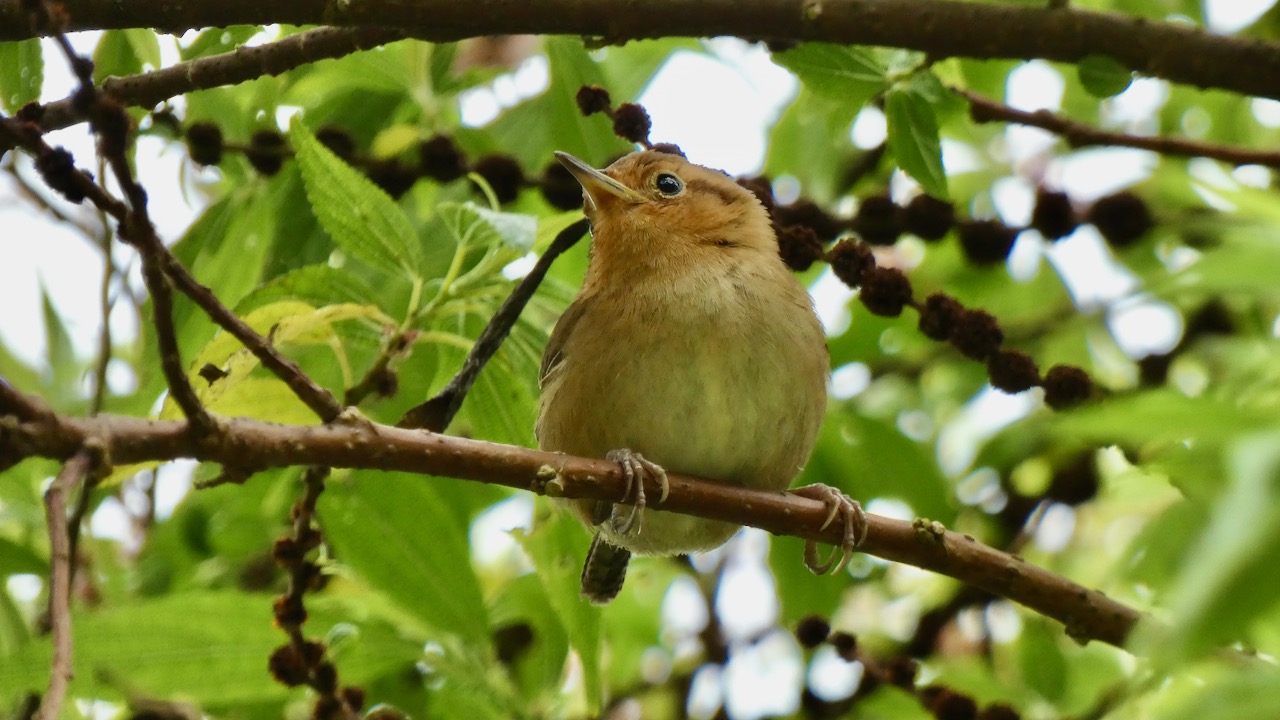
(1181, 520)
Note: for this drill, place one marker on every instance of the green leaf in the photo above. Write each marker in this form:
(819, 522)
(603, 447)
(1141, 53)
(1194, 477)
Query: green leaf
(477, 226)
(1239, 693)
(287, 322)
(887, 702)
(17, 373)
(316, 285)
(1159, 416)
(913, 138)
(632, 623)
(820, 166)
(21, 73)
(1229, 579)
(265, 399)
(1041, 660)
(848, 75)
(1103, 76)
(146, 46)
(207, 646)
(362, 219)
(215, 41)
(1160, 550)
(226, 248)
(558, 548)
(16, 558)
(62, 371)
(402, 536)
(538, 668)
(1244, 263)
(502, 405)
(125, 52)
(868, 458)
(13, 626)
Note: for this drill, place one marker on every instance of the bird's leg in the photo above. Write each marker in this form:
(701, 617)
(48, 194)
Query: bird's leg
(855, 526)
(634, 468)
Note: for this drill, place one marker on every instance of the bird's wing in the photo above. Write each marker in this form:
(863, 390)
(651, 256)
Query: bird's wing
(553, 356)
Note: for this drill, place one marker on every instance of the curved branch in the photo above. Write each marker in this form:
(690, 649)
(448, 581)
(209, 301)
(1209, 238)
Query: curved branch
(1087, 614)
(1078, 134)
(74, 472)
(1175, 52)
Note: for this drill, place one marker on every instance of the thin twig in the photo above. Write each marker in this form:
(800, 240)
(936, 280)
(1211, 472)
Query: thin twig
(380, 376)
(1078, 134)
(26, 190)
(85, 495)
(22, 406)
(73, 473)
(166, 338)
(104, 332)
(436, 414)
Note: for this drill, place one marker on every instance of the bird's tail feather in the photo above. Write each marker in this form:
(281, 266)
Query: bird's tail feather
(604, 571)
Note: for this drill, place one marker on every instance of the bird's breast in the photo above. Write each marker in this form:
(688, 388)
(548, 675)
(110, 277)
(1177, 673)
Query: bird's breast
(726, 382)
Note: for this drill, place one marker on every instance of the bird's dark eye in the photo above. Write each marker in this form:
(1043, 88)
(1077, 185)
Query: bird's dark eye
(669, 184)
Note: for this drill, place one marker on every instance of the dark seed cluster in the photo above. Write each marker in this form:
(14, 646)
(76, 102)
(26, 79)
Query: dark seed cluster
(900, 671)
(301, 661)
(812, 631)
(986, 242)
(879, 220)
(1212, 318)
(59, 171)
(437, 158)
(975, 333)
(1122, 219)
(630, 120)
(266, 152)
(803, 227)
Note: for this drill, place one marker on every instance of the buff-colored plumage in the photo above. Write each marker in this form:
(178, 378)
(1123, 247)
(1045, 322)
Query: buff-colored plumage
(690, 344)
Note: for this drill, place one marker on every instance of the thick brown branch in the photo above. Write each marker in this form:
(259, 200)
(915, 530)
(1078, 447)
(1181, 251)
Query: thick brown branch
(1172, 51)
(1078, 134)
(240, 65)
(74, 472)
(243, 442)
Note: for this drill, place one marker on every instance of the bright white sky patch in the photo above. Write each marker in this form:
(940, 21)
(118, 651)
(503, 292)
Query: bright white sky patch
(719, 120)
(1228, 16)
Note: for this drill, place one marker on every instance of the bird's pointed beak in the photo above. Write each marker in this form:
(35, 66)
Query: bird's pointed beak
(596, 183)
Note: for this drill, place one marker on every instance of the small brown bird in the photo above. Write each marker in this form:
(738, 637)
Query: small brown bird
(690, 347)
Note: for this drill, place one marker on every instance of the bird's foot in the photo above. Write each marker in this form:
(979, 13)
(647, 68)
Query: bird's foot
(840, 506)
(634, 468)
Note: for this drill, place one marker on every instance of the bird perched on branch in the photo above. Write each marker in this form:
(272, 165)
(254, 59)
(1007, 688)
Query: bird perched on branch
(690, 348)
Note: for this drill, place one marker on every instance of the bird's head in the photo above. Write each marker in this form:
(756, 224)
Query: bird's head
(655, 203)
